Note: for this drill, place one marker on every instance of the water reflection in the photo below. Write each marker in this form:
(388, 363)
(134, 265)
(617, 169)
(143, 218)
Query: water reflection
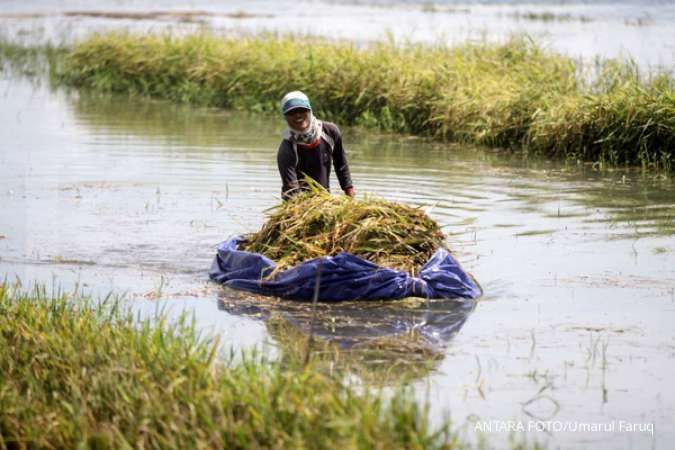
(404, 338)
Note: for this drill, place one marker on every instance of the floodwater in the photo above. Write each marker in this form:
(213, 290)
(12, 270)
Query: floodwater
(571, 345)
(643, 31)
(105, 194)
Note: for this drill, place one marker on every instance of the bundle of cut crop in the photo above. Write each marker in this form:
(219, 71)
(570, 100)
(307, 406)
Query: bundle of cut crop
(316, 223)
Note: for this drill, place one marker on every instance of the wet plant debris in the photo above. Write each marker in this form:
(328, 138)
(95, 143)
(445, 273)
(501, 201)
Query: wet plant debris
(315, 223)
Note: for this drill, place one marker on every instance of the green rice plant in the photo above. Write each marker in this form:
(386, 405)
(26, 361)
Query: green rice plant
(75, 373)
(628, 123)
(315, 223)
(514, 95)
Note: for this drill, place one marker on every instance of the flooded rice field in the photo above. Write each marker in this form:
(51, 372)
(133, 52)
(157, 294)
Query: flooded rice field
(572, 341)
(643, 31)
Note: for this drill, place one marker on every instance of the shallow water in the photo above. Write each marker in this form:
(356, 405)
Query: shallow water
(105, 193)
(643, 31)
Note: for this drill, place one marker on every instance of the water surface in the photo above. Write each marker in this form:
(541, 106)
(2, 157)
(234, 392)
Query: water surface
(104, 193)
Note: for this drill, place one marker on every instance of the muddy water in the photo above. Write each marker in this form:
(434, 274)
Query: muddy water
(104, 194)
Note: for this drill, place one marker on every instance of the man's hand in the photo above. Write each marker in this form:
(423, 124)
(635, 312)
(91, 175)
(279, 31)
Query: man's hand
(350, 191)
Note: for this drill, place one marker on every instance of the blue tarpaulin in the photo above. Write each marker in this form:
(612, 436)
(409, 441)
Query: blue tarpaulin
(342, 277)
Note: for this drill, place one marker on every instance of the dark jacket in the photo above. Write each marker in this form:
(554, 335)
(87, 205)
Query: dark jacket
(314, 162)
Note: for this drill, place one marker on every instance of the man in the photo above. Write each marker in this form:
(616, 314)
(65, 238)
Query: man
(309, 148)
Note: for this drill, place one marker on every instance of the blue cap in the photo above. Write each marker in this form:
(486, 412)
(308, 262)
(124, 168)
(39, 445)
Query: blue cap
(294, 100)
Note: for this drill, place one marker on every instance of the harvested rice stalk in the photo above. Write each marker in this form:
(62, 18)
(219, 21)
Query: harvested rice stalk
(316, 223)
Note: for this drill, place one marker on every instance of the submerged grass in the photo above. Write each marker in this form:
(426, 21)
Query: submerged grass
(315, 223)
(515, 95)
(80, 374)
(548, 16)
(31, 61)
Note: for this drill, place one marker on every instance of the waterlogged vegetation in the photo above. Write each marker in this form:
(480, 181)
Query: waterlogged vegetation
(85, 374)
(435, 8)
(30, 61)
(515, 95)
(157, 15)
(316, 223)
(548, 16)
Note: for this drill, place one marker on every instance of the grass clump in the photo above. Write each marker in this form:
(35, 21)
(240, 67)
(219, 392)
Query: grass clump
(516, 95)
(315, 223)
(79, 374)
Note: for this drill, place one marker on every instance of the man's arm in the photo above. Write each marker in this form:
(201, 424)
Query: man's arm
(341, 165)
(287, 161)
